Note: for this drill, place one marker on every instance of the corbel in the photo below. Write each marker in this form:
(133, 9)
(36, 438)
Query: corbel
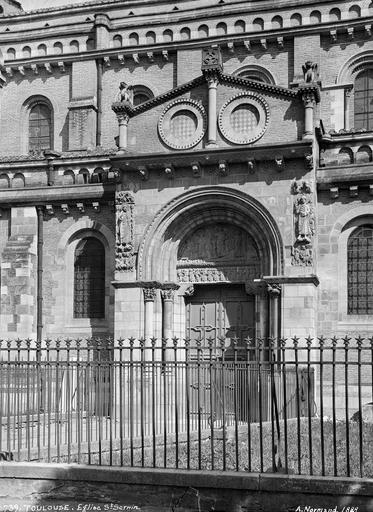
(34, 68)
(251, 166)
(150, 56)
(165, 54)
(230, 46)
(107, 62)
(353, 191)
(121, 58)
(49, 209)
(280, 163)
(135, 57)
(96, 206)
(80, 207)
(263, 43)
(144, 173)
(47, 66)
(334, 193)
(65, 208)
(333, 36)
(21, 70)
(223, 168)
(280, 42)
(169, 171)
(368, 30)
(247, 45)
(61, 66)
(371, 190)
(350, 32)
(9, 71)
(196, 169)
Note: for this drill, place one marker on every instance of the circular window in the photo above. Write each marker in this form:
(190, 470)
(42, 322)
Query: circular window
(244, 118)
(183, 124)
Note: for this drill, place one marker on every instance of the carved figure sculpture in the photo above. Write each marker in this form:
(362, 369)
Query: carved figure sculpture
(303, 209)
(310, 71)
(124, 92)
(124, 231)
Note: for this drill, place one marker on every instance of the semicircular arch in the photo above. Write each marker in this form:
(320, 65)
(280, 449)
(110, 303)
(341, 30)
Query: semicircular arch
(201, 207)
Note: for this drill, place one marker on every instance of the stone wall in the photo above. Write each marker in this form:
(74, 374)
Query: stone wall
(148, 490)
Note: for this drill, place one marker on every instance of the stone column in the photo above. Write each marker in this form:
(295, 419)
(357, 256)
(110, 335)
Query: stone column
(123, 119)
(149, 298)
(212, 82)
(347, 96)
(168, 309)
(309, 104)
(274, 292)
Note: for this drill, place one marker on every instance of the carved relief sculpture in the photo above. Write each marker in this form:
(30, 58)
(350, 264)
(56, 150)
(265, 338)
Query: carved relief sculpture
(124, 94)
(302, 250)
(310, 72)
(124, 255)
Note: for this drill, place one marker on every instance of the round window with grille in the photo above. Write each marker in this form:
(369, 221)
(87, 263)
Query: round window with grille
(183, 124)
(244, 118)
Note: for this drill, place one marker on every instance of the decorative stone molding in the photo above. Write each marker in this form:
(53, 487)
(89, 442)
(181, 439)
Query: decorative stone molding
(234, 128)
(212, 60)
(182, 125)
(308, 160)
(124, 253)
(280, 163)
(150, 294)
(251, 166)
(216, 275)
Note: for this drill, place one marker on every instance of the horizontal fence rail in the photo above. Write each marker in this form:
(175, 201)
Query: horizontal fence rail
(302, 406)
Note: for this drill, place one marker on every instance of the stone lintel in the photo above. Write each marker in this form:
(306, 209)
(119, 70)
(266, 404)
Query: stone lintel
(145, 284)
(310, 279)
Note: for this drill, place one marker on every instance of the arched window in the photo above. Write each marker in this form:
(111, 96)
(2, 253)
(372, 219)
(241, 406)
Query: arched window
(141, 94)
(42, 50)
(40, 127)
(185, 33)
(257, 73)
(89, 279)
(363, 100)
(117, 41)
(360, 271)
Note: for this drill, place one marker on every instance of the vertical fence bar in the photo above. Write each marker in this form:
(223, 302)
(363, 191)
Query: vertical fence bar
(175, 343)
(210, 343)
(131, 392)
(223, 363)
(359, 342)
(250, 352)
(165, 371)
(38, 394)
(9, 344)
(334, 354)
(142, 403)
(309, 341)
(235, 398)
(199, 422)
(295, 345)
(272, 398)
(321, 394)
(282, 343)
(88, 391)
(346, 341)
(188, 368)
(260, 367)
(153, 342)
(28, 365)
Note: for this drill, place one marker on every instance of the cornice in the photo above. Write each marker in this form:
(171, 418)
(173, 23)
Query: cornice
(66, 157)
(260, 86)
(119, 107)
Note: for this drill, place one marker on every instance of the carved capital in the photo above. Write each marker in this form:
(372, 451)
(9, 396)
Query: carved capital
(302, 255)
(308, 98)
(274, 290)
(168, 295)
(149, 294)
(348, 91)
(212, 59)
(123, 118)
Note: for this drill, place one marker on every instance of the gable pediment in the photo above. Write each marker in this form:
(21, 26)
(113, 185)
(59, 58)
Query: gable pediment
(247, 111)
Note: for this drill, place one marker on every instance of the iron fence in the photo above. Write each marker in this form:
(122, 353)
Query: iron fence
(294, 405)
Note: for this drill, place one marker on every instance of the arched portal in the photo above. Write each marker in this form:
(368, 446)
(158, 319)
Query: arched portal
(215, 243)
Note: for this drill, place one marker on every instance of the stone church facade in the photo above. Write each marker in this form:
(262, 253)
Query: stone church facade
(189, 169)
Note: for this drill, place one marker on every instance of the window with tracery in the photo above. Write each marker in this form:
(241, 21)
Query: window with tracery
(363, 100)
(40, 127)
(360, 271)
(89, 279)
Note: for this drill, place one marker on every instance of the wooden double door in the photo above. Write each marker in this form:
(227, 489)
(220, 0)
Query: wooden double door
(220, 311)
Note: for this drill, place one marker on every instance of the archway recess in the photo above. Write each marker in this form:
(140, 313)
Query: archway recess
(176, 222)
